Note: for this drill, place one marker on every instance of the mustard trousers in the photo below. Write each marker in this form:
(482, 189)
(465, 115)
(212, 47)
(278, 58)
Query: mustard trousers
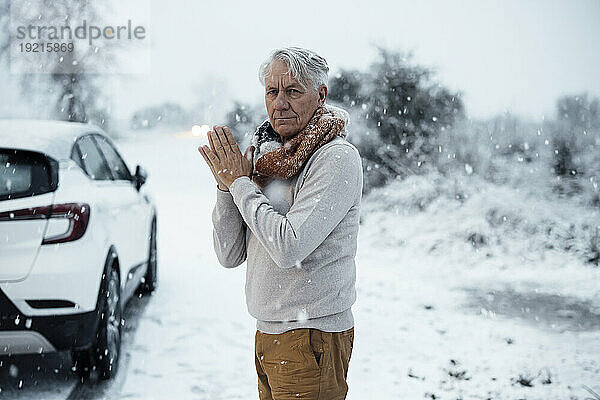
(303, 364)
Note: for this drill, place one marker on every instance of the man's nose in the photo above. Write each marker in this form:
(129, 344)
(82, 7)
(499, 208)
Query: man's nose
(281, 102)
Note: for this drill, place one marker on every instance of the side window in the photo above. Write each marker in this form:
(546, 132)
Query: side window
(76, 156)
(115, 162)
(93, 162)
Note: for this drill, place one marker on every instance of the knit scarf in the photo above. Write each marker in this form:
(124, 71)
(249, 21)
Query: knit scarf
(273, 159)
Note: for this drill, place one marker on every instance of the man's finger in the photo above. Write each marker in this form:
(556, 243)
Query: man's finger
(230, 139)
(217, 135)
(212, 140)
(212, 157)
(202, 151)
(220, 143)
(222, 138)
(249, 153)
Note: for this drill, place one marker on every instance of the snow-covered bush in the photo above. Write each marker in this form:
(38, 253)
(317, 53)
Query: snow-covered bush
(548, 156)
(401, 111)
(451, 213)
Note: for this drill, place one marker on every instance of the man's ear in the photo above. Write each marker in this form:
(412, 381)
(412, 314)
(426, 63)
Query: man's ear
(322, 94)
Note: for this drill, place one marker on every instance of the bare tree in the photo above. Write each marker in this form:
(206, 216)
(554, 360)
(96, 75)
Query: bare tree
(68, 81)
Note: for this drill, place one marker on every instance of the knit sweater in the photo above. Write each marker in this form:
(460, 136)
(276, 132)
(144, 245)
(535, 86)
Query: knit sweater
(299, 238)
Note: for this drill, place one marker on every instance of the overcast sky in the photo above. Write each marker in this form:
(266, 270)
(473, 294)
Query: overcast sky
(504, 55)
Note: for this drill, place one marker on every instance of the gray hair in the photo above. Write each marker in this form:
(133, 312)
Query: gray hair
(306, 66)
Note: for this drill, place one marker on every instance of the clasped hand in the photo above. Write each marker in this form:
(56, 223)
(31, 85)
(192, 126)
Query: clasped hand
(224, 157)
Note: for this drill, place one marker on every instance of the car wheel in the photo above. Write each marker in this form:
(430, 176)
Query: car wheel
(103, 356)
(108, 345)
(150, 282)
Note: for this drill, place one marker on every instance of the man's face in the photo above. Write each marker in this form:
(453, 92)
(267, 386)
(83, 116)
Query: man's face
(290, 105)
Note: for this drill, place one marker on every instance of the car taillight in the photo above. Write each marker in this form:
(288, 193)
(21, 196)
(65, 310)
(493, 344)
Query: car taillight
(77, 215)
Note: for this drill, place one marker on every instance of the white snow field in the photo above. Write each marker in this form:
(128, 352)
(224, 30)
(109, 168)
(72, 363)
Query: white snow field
(454, 302)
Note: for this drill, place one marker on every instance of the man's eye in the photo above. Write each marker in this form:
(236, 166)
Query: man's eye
(271, 92)
(294, 91)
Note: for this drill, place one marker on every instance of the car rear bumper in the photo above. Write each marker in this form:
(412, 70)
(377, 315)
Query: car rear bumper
(23, 334)
(23, 342)
(72, 274)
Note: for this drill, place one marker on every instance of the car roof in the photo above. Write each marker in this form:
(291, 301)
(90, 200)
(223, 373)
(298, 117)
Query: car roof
(53, 138)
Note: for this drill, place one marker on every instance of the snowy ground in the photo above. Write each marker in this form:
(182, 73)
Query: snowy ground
(438, 316)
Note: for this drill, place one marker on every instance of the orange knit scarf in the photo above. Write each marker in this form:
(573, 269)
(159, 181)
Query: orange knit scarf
(286, 160)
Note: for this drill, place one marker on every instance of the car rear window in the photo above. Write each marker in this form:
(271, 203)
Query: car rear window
(26, 173)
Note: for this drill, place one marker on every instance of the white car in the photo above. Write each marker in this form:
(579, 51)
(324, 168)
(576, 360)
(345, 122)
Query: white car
(77, 238)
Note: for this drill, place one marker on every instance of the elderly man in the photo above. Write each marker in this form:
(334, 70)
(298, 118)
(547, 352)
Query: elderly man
(289, 206)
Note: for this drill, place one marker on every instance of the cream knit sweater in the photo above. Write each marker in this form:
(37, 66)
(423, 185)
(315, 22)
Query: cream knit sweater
(299, 238)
